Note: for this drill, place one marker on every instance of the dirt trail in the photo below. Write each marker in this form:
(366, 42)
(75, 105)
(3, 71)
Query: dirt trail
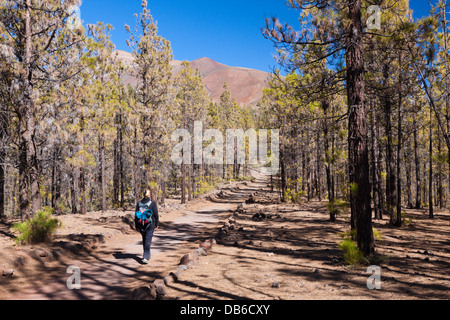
(274, 251)
(114, 269)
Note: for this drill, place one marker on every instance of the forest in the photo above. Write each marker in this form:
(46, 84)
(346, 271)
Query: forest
(363, 112)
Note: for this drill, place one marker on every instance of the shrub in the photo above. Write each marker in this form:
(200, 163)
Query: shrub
(38, 229)
(352, 254)
(337, 206)
(376, 234)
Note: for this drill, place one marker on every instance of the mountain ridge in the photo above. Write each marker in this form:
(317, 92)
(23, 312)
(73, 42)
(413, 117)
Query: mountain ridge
(245, 84)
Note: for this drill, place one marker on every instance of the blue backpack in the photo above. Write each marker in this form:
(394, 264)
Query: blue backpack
(144, 216)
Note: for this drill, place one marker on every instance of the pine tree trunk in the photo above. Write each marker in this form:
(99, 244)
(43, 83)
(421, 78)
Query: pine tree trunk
(116, 188)
(358, 149)
(101, 145)
(440, 199)
(447, 87)
(183, 183)
(398, 216)
(408, 176)
(417, 165)
(328, 164)
(430, 179)
(82, 170)
(3, 135)
(136, 168)
(73, 195)
(303, 163)
(121, 166)
(375, 168)
(390, 180)
(283, 176)
(318, 165)
(54, 177)
(2, 187)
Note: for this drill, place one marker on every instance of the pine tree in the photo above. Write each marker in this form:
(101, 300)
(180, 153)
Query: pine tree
(152, 68)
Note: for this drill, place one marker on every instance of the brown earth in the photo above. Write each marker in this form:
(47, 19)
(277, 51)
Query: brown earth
(286, 251)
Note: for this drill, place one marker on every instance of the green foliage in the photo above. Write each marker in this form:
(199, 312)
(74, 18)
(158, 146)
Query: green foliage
(38, 229)
(376, 234)
(353, 256)
(204, 186)
(337, 206)
(405, 220)
(354, 188)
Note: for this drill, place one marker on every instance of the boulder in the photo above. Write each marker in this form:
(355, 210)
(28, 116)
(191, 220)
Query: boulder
(161, 288)
(145, 293)
(7, 272)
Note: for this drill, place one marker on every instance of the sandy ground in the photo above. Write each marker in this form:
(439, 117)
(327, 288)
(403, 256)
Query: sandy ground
(291, 255)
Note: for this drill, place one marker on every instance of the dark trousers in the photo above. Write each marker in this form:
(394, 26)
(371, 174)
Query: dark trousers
(147, 242)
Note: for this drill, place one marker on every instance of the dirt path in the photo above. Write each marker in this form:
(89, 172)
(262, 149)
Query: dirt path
(275, 251)
(114, 268)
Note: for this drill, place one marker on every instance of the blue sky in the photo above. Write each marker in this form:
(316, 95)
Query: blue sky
(226, 31)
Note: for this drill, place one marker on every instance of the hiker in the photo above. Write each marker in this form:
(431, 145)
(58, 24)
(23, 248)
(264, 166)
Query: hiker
(146, 222)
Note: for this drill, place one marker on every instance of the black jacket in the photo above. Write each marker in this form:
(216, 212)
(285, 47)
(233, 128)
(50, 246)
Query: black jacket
(153, 207)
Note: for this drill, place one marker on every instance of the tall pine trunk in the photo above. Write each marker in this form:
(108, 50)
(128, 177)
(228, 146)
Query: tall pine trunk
(357, 131)
(101, 146)
(417, 165)
(3, 134)
(430, 179)
(390, 168)
(375, 166)
(82, 170)
(2, 187)
(28, 162)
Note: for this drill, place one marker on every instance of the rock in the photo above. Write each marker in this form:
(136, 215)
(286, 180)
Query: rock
(250, 200)
(205, 245)
(202, 251)
(344, 286)
(185, 259)
(276, 284)
(161, 288)
(38, 254)
(190, 259)
(7, 272)
(335, 260)
(181, 268)
(171, 278)
(259, 216)
(44, 253)
(129, 220)
(102, 219)
(145, 293)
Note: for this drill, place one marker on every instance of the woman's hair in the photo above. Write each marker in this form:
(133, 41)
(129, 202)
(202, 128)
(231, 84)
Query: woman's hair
(147, 193)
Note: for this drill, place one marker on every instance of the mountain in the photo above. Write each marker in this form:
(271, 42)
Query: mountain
(245, 85)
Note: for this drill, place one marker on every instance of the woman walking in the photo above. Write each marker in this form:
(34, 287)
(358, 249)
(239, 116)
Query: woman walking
(146, 222)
